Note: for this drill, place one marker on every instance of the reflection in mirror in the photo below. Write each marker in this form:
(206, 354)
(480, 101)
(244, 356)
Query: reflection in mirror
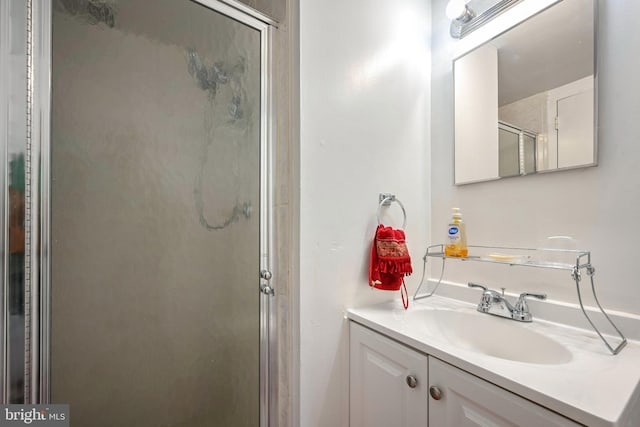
(516, 151)
(525, 100)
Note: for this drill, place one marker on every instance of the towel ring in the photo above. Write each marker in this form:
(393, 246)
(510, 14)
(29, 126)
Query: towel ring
(385, 200)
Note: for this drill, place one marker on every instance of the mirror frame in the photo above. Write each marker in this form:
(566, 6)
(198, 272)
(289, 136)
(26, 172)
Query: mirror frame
(499, 28)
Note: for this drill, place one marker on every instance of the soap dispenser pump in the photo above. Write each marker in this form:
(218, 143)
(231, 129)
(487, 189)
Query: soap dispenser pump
(456, 245)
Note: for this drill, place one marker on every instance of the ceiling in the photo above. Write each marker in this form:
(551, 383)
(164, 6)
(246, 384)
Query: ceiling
(550, 49)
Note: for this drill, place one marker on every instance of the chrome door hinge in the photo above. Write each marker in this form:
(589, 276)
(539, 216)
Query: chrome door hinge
(265, 288)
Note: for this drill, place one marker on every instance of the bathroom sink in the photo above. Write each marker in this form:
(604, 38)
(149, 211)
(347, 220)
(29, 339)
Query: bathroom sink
(494, 336)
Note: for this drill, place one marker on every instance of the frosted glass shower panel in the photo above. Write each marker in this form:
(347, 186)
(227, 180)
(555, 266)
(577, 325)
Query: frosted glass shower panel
(155, 214)
(508, 153)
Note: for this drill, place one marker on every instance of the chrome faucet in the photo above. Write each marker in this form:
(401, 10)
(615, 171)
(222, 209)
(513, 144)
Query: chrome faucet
(494, 302)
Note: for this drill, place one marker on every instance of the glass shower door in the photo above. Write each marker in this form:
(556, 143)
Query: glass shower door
(156, 140)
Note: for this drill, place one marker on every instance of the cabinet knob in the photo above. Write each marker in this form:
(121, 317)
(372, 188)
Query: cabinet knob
(435, 392)
(412, 381)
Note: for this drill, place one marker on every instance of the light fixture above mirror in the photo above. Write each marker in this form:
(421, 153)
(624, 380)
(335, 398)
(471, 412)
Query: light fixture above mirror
(457, 10)
(469, 15)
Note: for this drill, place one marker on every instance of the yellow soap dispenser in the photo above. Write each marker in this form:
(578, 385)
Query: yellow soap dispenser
(456, 244)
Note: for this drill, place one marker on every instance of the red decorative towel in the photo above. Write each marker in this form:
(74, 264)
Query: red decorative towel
(390, 261)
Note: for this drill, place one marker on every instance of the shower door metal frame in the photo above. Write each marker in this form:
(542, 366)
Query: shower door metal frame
(39, 154)
(4, 209)
(13, 123)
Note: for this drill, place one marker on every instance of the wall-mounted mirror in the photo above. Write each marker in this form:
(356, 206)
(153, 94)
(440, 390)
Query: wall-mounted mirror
(525, 100)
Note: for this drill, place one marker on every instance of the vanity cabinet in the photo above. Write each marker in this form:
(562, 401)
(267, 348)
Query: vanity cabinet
(468, 401)
(388, 382)
(392, 385)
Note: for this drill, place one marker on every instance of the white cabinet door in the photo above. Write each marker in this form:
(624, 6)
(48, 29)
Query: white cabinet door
(380, 395)
(468, 401)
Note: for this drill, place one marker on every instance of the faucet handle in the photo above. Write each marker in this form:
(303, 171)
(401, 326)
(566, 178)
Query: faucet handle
(528, 294)
(485, 301)
(521, 309)
(475, 285)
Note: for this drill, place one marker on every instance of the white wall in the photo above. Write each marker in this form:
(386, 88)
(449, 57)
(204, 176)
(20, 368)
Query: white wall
(364, 107)
(599, 205)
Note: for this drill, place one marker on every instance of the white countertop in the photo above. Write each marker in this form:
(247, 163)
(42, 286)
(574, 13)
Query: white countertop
(594, 388)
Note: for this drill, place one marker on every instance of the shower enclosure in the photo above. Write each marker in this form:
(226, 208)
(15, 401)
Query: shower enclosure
(136, 282)
(516, 150)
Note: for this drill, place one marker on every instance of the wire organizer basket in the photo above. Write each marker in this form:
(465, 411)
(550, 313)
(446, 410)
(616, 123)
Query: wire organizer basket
(538, 258)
